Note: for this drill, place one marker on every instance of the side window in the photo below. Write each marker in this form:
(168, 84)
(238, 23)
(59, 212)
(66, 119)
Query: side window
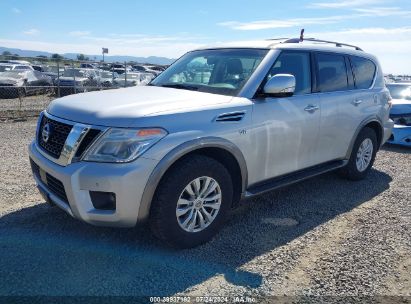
(364, 71)
(296, 64)
(332, 73)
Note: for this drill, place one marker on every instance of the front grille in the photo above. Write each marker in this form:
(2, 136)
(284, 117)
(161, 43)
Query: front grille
(58, 135)
(91, 135)
(56, 187)
(53, 184)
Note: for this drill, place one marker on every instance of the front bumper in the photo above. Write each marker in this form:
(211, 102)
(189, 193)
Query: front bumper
(401, 135)
(127, 181)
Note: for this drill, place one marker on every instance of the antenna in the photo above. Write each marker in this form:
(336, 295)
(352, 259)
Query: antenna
(302, 35)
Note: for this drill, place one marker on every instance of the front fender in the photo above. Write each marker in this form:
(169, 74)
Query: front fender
(178, 152)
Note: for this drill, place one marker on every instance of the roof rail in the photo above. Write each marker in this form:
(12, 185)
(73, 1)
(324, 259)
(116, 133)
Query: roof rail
(337, 44)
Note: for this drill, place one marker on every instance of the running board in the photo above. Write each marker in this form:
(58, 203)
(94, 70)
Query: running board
(291, 178)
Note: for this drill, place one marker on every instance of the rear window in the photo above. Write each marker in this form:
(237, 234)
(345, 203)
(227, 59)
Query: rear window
(332, 73)
(364, 71)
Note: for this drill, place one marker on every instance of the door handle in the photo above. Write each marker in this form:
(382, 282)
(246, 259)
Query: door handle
(311, 108)
(357, 102)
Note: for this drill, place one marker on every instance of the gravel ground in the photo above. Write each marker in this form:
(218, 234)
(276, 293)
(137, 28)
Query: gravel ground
(34, 103)
(322, 237)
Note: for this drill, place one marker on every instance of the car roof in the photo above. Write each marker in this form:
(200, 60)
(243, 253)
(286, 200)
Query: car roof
(309, 44)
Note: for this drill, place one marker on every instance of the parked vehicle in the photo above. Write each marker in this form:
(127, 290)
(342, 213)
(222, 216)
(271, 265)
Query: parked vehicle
(88, 66)
(76, 80)
(54, 72)
(129, 80)
(4, 67)
(400, 113)
(145, 69)
(182, 151)
(17, 83)
(109, 79)
(38, 68)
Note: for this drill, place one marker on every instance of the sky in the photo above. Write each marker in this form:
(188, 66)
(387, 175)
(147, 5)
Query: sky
(170, 28)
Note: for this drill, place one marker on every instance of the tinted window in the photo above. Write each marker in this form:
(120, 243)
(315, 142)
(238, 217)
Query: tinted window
(332, 73)
(296, 64)
(364, 71)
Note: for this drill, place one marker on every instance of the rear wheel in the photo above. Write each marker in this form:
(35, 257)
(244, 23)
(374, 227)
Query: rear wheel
(191, 202)
(362, 156)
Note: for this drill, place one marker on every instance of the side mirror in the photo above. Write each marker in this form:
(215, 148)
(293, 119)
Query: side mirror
(280, 85)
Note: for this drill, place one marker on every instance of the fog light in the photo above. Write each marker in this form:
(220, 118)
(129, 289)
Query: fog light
(103, 200)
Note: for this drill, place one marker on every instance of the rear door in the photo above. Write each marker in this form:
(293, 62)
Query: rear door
(365, 99)
(335, 88)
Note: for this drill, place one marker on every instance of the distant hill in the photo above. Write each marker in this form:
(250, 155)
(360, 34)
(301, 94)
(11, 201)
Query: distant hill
(114, 58)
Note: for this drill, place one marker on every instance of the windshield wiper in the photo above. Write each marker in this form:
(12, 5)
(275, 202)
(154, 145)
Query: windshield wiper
(180, 86)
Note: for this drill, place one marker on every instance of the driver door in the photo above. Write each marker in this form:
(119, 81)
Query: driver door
(288, 128)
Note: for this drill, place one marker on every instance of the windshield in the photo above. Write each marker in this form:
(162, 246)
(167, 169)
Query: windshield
(400, 91)
(11, 74)
(75, 73)
(219, 71)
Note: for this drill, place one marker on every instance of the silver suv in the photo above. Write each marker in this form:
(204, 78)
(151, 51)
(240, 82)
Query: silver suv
(219, 125)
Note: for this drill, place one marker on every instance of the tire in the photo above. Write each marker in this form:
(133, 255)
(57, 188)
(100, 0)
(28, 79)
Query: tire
(171, 192)
(354, 170)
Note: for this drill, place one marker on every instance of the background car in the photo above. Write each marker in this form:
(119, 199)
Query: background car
(129, 80)
(108, 79)
(54, 72)
(76, 80)
(145, 69)
(400, 113)
(11, 67)
(20, 83)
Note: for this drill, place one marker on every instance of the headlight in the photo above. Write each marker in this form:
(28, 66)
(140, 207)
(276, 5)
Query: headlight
(79, 83)
(123, 145)
(404, 121)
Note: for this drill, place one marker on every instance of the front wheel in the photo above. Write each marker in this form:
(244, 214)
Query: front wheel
(191, 202)
(362, 156)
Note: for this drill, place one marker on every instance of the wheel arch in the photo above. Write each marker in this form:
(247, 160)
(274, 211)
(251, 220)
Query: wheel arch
(373, 123)
(219, 149)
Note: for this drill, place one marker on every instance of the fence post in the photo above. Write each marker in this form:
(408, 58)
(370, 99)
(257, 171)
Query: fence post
(58, 78)
(125, 74)
(74, 77)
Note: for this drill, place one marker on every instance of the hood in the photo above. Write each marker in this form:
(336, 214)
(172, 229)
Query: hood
(400, 107)
(121, 107)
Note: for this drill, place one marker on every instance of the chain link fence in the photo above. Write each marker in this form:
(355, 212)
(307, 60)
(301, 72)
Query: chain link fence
(29, 84)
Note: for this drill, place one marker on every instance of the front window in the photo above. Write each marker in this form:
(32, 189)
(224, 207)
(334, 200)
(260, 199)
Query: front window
(219, 71)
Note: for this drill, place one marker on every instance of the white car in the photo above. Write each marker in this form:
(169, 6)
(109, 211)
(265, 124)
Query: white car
(6, 67)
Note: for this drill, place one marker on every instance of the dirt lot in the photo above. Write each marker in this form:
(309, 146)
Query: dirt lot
(325, 236)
